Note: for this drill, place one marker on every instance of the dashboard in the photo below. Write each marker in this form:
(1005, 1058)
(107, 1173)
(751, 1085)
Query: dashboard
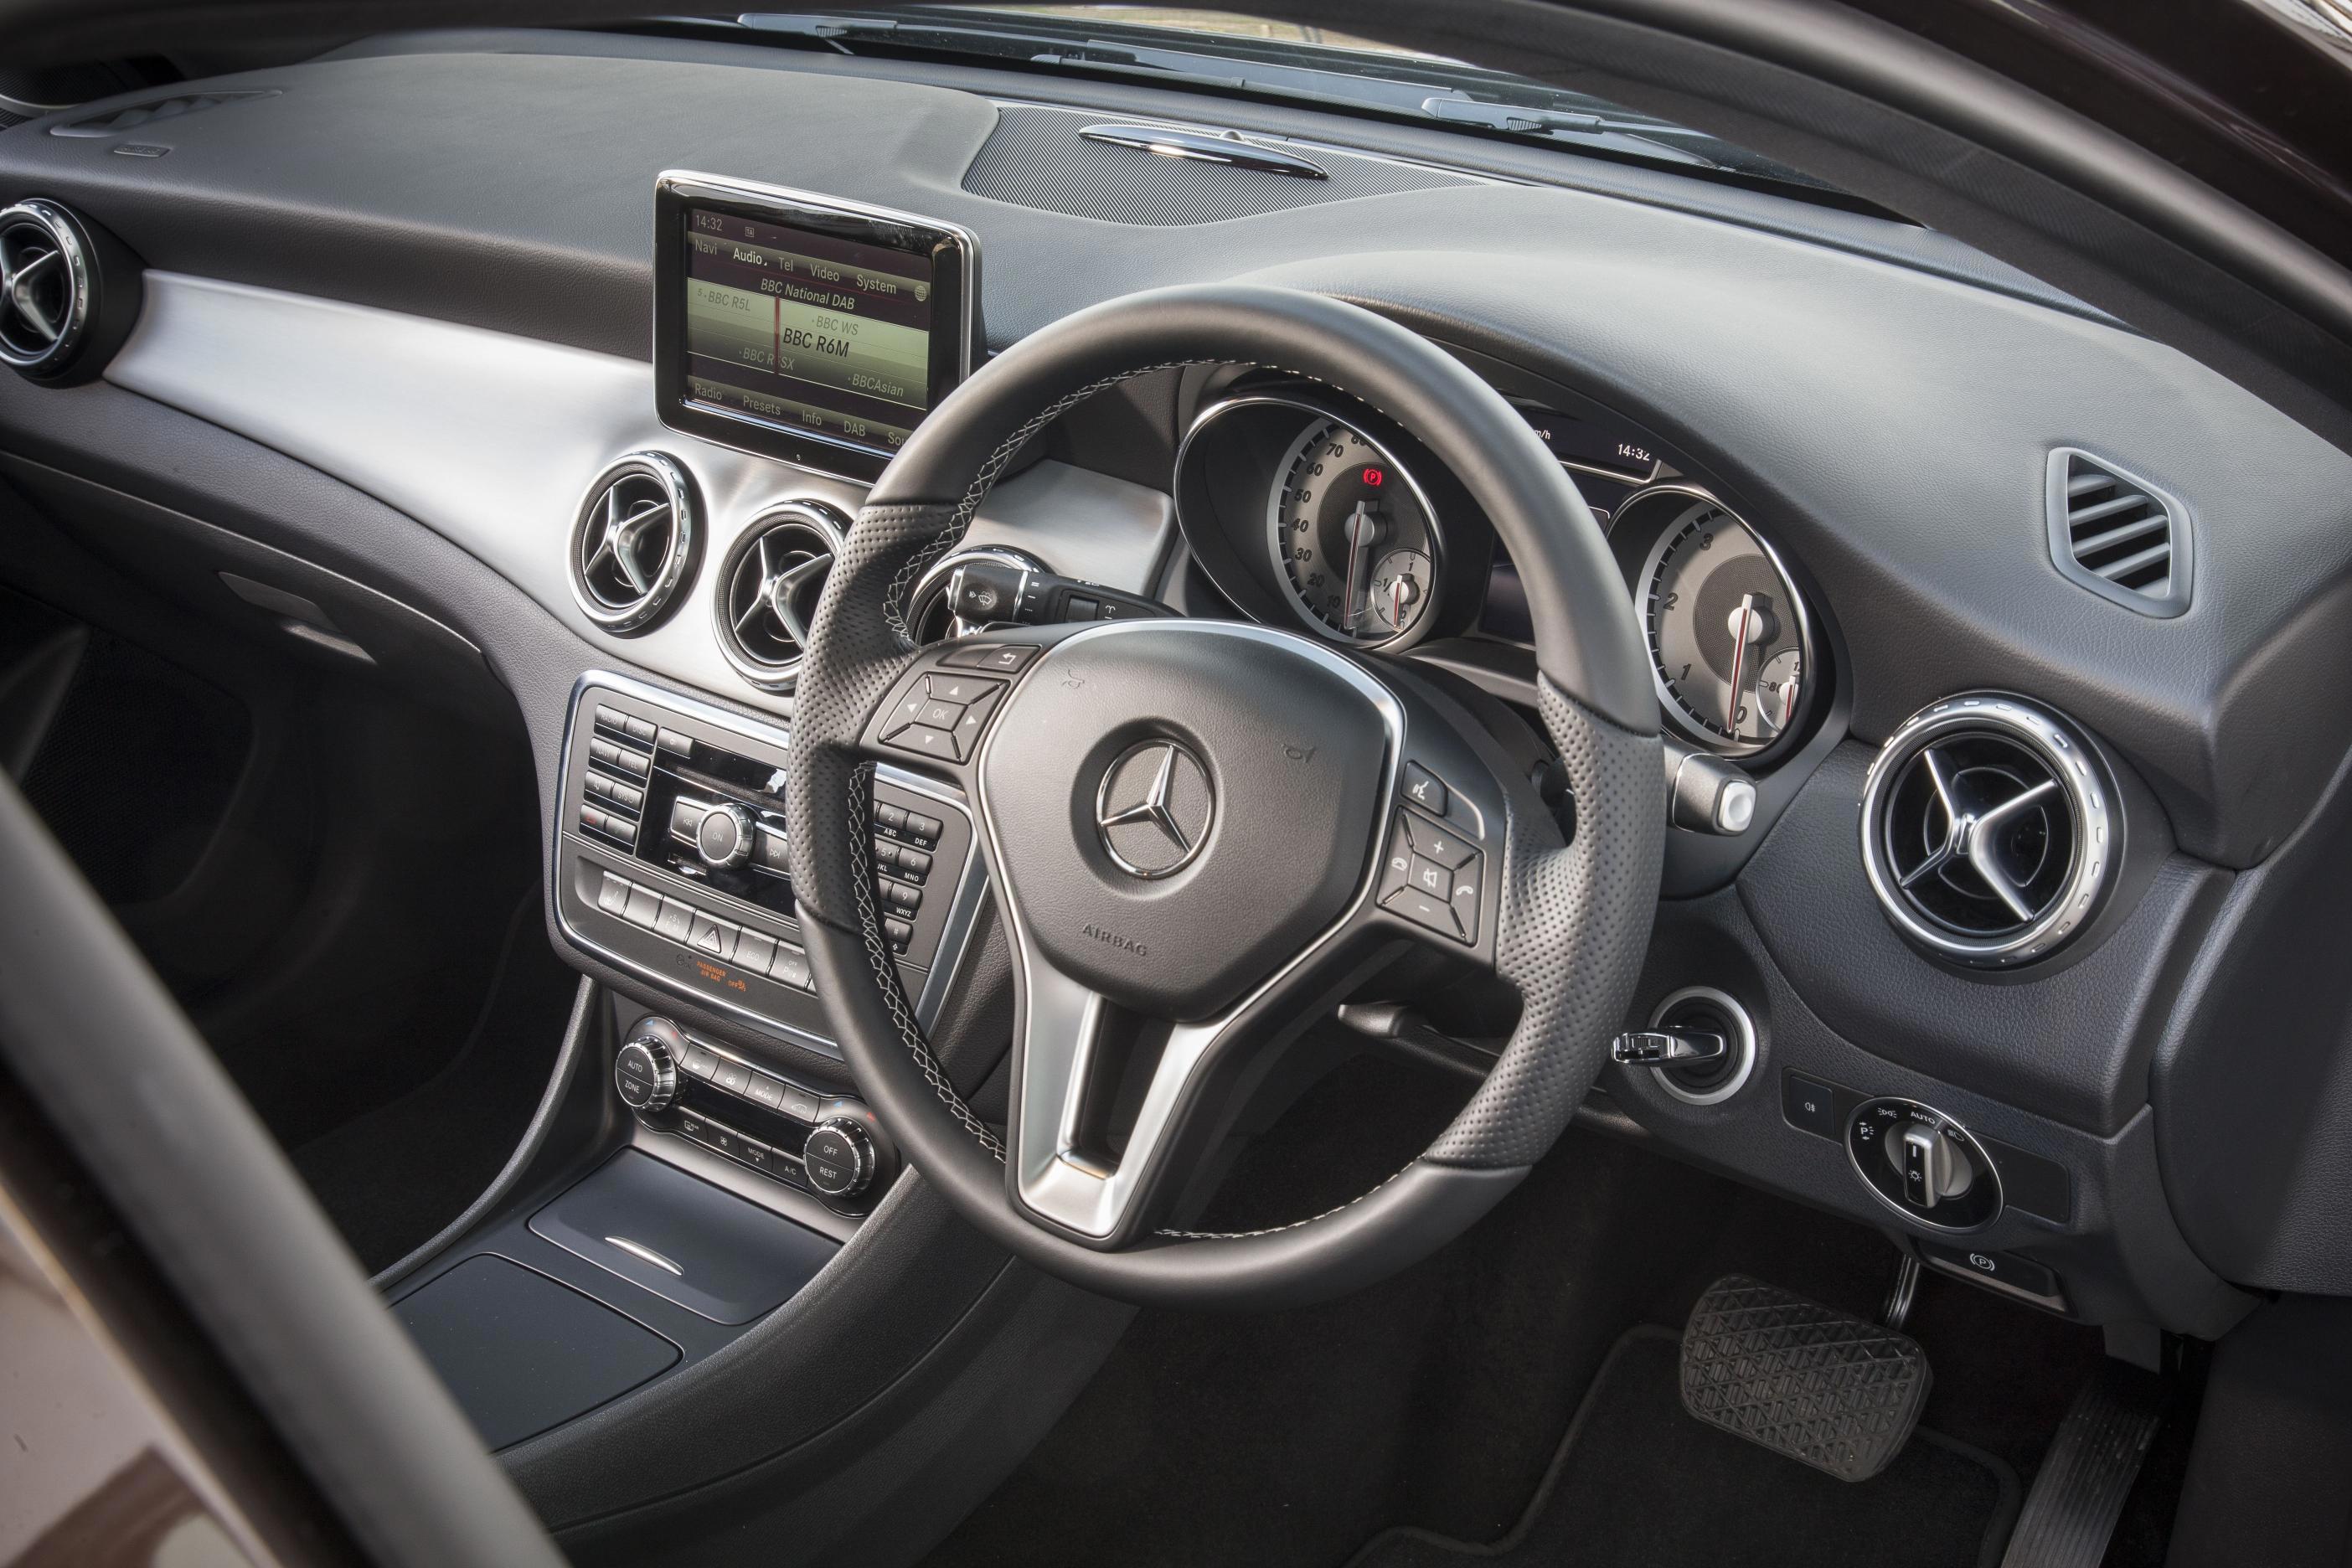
(1909, 537)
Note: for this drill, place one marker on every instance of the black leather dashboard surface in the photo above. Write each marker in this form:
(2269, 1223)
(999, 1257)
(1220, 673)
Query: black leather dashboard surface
(1887, 426)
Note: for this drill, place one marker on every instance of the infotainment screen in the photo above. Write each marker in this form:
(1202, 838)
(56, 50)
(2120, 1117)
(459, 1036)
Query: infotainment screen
(804, 327)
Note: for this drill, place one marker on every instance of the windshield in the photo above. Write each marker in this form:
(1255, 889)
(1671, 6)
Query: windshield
(1248, 56)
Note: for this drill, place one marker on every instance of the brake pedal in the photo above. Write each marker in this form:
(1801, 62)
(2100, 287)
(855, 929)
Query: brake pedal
(1823, 1388)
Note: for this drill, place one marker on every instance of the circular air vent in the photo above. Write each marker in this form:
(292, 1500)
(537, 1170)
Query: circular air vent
(1986, 830)
(634, 544)
(45, 288)
(769, 587)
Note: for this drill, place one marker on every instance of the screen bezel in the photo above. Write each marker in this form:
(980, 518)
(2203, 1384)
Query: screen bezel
(952, 252)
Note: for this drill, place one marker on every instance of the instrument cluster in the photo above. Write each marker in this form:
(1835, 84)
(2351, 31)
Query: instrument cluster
(1309, 510)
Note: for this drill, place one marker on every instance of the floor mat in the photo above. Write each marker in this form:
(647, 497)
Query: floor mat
(1638, 1482)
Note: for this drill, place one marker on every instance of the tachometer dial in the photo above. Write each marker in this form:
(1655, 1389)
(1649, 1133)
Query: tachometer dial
(1353, 541)
(1726, 631)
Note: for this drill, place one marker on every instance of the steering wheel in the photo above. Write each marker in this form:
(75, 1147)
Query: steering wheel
(1203, 833)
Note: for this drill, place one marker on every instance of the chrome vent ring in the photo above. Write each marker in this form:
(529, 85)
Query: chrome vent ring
(1989, 830)
(767, 590)
(45, 287)
(634, 542)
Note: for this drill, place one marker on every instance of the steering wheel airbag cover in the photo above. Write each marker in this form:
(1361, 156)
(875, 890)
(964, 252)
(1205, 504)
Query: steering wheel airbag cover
(1293, 757)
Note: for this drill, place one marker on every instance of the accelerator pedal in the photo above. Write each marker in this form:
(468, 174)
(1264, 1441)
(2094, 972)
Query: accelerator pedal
(2080, 1492)
(1823, 1388)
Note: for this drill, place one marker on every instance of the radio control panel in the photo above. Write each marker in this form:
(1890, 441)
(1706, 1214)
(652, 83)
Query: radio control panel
(674, 860)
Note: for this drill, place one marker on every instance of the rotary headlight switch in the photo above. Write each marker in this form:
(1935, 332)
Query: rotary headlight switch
(1923, 1164)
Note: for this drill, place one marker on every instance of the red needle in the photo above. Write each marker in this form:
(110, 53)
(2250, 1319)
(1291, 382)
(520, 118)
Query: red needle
(1738, 658)
(1396, 602)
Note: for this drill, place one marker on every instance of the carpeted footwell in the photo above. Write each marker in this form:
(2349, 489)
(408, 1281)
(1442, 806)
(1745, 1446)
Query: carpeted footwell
(1638, 1481)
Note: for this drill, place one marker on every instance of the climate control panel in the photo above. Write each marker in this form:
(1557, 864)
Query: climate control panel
(827, 1145)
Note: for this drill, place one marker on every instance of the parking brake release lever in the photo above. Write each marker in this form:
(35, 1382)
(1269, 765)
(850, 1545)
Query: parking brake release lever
(1667, 1048)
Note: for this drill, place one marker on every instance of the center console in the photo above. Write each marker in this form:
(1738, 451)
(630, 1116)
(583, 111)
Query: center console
(673, 860)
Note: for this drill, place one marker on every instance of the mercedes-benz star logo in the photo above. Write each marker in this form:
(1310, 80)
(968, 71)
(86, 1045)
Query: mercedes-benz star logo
(1154, 808)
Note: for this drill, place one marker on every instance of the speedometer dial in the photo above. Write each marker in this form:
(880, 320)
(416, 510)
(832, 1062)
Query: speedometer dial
(1726, 631)
(1354, 547)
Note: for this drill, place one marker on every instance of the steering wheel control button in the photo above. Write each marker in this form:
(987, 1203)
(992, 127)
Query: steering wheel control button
(924, 740)
(1442, 845)
(942, 716)
(1004, 659)
(645, 1075)
(1422, 788)
(1923, 1164)
(1432, 875)
(839, 1158)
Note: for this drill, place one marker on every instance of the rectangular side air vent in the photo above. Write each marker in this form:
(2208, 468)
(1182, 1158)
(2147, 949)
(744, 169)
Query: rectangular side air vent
(2118, 535)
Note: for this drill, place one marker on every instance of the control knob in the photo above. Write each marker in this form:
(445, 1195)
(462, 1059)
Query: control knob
(725, 837)
(1926, 1166)
(839, 1156)
(646, 1074)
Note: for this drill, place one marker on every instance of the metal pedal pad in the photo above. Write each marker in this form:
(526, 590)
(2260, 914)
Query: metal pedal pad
(1824, 1387)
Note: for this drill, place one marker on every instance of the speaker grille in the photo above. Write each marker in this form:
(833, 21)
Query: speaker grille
(1037, 157)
